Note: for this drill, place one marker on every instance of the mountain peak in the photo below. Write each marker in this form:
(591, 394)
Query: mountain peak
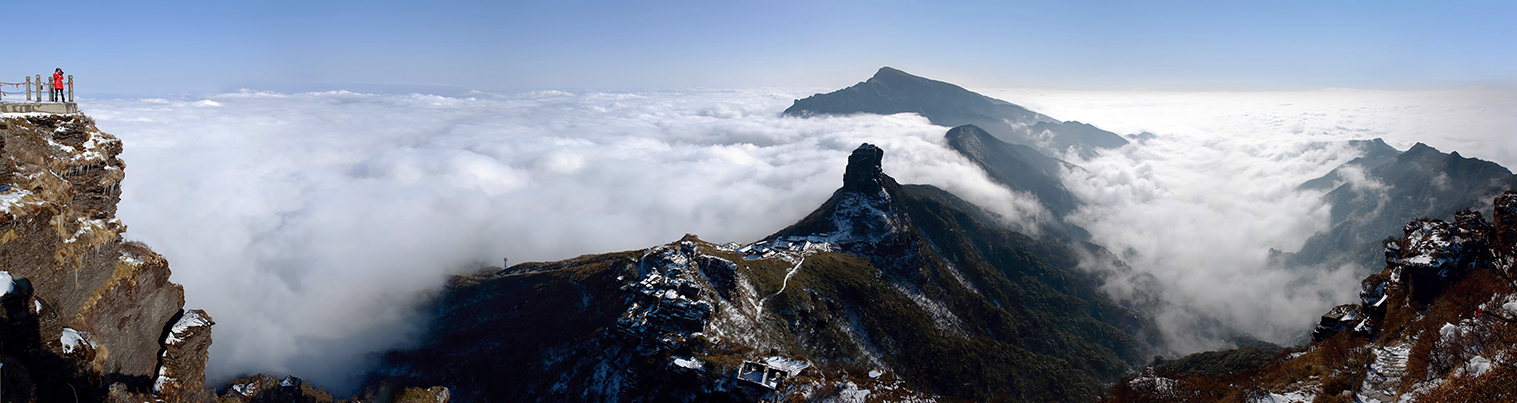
(967, 132)
(862, 211)
(863, 172)
(891, 76)
(890, 71)
(1420, 148)
(891, 91)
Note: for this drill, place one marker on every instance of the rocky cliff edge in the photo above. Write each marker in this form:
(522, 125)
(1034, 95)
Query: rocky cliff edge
(88, 315)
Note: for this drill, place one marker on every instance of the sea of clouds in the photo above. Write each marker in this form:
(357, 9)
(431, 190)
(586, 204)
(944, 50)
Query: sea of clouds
(312, 225)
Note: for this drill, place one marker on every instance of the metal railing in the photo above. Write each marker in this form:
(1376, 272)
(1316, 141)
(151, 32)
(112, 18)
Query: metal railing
(31, 88)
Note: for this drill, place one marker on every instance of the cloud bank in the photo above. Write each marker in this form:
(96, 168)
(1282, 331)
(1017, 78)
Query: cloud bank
(311, 225)
(1474, 121)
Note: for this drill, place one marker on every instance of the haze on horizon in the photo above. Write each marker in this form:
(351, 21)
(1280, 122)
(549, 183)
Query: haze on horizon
(166, 47)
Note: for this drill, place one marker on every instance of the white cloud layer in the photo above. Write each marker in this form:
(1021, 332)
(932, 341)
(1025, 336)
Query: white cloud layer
(311, 225)
(1477, 122)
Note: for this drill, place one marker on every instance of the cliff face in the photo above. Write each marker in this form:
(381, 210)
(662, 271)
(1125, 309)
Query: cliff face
(87, 309)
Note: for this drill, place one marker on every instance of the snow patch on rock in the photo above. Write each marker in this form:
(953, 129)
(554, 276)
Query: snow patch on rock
(1477, 366)
(14, 197)
(180, 331)
(851, 393)
(690, 363)
(75, 340)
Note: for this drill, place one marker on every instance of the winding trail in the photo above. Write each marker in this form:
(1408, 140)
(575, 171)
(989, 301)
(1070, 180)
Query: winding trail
(1386, 372)
(785, 283)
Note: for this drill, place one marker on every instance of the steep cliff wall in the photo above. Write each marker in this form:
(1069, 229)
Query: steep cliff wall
(87, 310)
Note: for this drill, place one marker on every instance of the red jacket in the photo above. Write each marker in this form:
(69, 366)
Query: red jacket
(58, 80)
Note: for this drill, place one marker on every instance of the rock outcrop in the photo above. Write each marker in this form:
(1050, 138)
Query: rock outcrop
(263, 388)
(94, 310)
(1505, 236)
(182, 375)
(864, 172)
(862, 209)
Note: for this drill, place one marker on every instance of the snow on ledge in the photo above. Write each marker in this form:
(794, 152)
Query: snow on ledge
(189, 320)
(690, 363)
(74, 340)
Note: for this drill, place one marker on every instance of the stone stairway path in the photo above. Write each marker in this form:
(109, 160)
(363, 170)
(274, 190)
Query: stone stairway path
(1386, 372)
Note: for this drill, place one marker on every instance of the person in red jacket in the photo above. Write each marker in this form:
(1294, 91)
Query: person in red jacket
(58, 85)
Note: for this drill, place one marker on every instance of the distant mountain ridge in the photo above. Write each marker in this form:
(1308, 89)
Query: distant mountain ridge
(1017, 166)
(1386, 189)
(892, 91)
(1373, 153)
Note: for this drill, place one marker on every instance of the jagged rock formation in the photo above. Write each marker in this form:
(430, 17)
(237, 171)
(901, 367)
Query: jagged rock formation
(1370, 200)
(1437, 324)
(863, 173)
(182, 375)
(892, 91)
(887, 290)
(92, 311)
(263, 388)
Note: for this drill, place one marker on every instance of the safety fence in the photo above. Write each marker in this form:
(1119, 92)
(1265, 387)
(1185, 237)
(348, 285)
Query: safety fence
(35, 88)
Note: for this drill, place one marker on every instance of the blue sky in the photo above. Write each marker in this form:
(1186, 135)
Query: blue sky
(165, 47)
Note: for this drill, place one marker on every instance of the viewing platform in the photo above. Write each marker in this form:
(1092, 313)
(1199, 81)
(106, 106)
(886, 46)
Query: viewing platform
(39, 107)
(53, 95)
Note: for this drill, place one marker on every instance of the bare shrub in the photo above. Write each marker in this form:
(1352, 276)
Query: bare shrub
(1499, 385)
(1450, 350)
